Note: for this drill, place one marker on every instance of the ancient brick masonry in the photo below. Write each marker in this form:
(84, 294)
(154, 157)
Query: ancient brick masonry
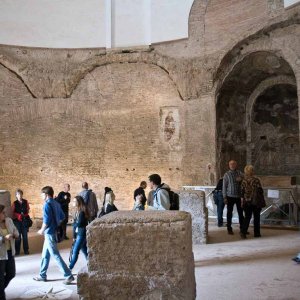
(139, 255)
(114, 117)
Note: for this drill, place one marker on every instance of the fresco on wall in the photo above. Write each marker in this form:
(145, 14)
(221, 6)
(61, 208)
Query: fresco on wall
(169, 125)
(275, 133)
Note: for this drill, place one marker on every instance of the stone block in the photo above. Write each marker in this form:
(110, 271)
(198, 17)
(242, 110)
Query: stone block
(193, 202)
(5, 200)
(139, 255)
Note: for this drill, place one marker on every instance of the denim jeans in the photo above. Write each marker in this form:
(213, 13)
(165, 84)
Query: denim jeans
(50, 249)
(23, 233)
(79, 244)
(220, 207)
(7, 273)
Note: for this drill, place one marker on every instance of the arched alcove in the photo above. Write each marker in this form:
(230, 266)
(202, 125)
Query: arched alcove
(237, 120)
(274, 144)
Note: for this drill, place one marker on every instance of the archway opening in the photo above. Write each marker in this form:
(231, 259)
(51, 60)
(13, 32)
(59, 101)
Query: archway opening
(241, 128)
(274, 145)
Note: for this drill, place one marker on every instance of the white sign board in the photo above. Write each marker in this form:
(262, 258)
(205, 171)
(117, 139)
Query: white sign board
(273, 194)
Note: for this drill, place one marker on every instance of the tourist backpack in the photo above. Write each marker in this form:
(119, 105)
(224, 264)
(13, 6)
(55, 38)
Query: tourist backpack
(174, 199)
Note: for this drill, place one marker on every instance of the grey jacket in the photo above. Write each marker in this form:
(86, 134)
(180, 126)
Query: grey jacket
(11, 228)
(90, 200)
(161, 199)
(231, 186)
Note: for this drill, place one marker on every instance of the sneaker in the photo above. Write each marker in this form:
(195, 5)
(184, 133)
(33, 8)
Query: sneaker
(39, 278)
(69, 280)
(296, 259)
(26, 252)
(230, 232)
(246, 232)
(243, 235)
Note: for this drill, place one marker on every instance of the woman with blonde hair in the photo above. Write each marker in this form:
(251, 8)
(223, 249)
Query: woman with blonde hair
(251, 190)
(8, 234)
(108, 202)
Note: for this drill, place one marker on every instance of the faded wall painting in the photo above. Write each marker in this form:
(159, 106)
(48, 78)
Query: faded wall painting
(169, 124)
(275, 133)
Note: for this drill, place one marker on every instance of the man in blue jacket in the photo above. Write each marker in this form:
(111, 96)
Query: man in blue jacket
(52, 217)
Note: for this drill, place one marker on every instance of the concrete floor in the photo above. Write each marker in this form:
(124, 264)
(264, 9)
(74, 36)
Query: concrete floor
(227, 268)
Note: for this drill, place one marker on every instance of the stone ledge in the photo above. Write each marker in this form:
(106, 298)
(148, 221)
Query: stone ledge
(148, 216)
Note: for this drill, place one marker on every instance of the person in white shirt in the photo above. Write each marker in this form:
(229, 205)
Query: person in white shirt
(8, 234)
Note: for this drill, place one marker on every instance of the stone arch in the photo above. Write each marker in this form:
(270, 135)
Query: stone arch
(258, 40)
(19, 77)
(269, 82)
(147, 58)
(249, 76)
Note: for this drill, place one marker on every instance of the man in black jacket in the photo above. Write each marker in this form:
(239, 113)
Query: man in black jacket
(64, 199)
(141, 191)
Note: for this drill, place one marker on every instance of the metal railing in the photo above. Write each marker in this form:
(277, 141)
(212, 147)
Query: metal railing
(284, 210)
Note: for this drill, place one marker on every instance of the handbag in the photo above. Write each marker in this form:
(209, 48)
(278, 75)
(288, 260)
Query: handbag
(59, 234)
(27, 221)
(259, 198)
(215, 196)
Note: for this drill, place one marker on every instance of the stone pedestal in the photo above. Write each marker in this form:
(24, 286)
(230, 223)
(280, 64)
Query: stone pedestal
(193, 202)
(5, 200)
(139, 255)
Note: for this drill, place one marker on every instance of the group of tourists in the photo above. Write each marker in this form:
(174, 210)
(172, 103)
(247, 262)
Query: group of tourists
(243, 190)
(235, 188)
(55, 219)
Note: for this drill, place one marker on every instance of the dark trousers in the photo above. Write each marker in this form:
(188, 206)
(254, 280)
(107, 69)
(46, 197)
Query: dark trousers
(23, 234)
(79, 244)
(7, 273)
(220, 207)
(249, 210)
(230, 203)
(65, 222)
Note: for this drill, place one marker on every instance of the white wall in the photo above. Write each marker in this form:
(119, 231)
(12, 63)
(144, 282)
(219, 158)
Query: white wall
(288, 3)
(131, 21)
(92, 23)
(168, 19)
(52, 23)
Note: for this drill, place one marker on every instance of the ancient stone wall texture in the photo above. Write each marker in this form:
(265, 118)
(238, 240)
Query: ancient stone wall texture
(112, 118)
(139, 255)
(194, 203)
